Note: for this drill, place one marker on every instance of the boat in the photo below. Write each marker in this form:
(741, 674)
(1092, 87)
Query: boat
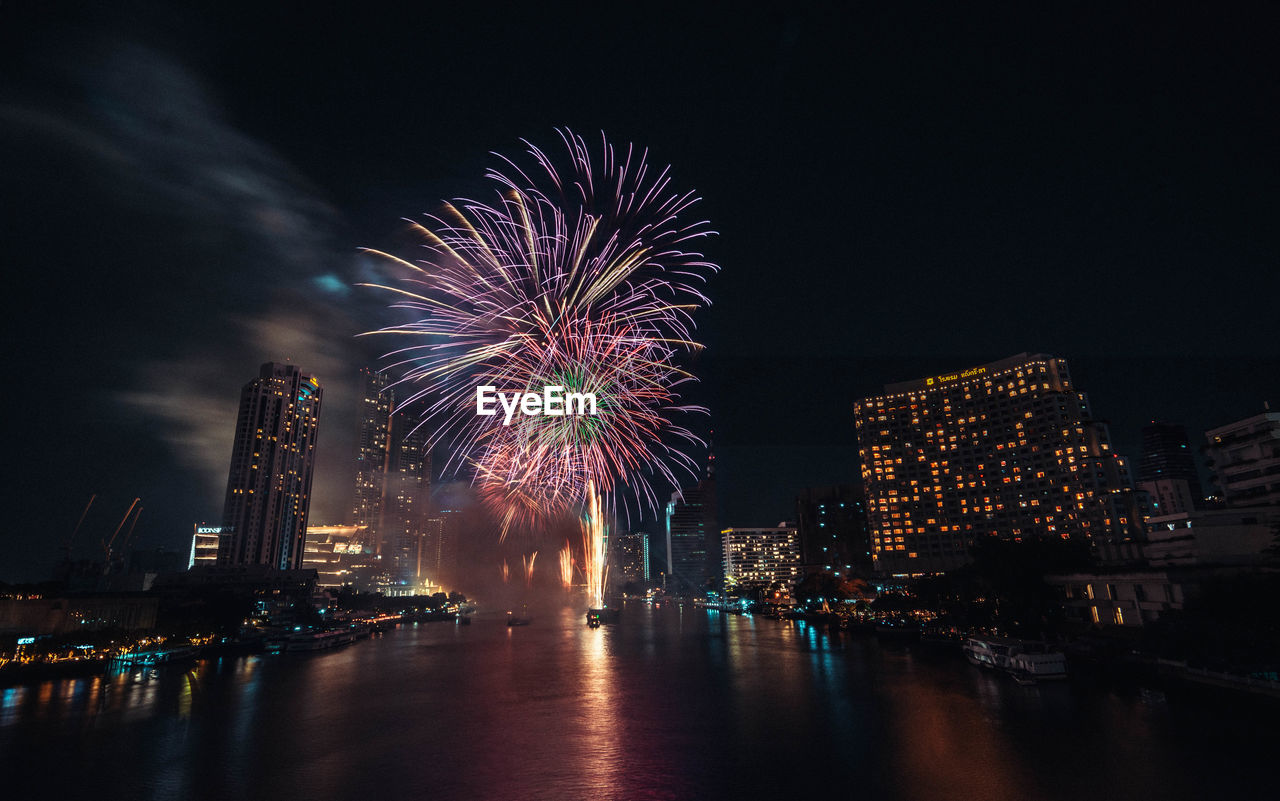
(603, 616)
(523, 620)
(319, 640)
(156, 656)
(1027, 661)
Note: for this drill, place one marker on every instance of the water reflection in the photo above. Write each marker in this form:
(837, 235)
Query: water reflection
(673, 702)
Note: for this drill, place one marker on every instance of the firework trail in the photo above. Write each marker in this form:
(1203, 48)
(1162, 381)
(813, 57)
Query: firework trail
(566, 567)
(528, 568)
(506, 572)
(586, 279)
(594, 534)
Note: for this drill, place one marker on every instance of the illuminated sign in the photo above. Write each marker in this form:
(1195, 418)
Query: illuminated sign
(948, 378)
(26, 640)
(208, 529)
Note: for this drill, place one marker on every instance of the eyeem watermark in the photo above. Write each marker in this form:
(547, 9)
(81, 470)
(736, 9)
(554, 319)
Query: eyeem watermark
(553, 402)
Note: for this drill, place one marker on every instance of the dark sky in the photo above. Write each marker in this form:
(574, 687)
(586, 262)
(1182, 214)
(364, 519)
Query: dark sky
(896, 195)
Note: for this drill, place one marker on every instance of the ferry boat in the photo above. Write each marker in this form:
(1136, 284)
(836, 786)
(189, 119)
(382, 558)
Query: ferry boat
(1027, 661)
(319, 640)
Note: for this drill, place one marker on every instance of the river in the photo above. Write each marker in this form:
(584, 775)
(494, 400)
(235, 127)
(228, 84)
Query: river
(672, 703)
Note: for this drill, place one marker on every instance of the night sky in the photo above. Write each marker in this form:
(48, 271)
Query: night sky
(896, 195)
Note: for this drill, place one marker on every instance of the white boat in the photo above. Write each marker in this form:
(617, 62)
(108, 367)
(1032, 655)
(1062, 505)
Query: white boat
(1027, 660)
(319, 640)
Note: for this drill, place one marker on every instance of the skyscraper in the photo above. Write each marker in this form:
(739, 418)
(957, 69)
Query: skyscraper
(264, 519)
(408, 494)
(1168, 469)
(1008, 449)
(693, 546)
(373, 449)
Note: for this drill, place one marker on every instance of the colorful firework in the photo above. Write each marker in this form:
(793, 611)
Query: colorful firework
(594, 535)
(528, 568)
(585, 280)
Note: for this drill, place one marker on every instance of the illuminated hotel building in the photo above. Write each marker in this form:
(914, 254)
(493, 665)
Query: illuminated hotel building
(1006, 449)
(761, 555)
(264, 520)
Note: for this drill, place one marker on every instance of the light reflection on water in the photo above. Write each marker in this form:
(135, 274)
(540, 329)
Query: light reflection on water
(673, 703)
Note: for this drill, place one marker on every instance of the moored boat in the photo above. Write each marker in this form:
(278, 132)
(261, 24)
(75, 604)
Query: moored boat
(1027, 661)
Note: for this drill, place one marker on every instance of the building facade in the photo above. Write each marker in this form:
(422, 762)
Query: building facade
(692, 544)
(373, 451)
(408, 499)
(630, 557)
(1008, 449)
(761, 555)
(1244, 458)
(832, 523)
(1167, 471)
(264, 519)
(205, 544)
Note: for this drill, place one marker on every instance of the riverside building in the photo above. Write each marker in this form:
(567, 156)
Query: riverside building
(264, 520)
(1008, 449)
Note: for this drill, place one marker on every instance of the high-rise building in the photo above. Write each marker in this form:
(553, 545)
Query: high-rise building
(630, 556)
(1244, 457)
(1008, 449)
(761, 555)
(1168, 469)
(694, 558)
(373, 450)
(832, 524)
(408, 496)
(691, 527)
(264, 519)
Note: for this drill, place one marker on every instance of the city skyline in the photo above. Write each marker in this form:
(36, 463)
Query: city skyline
(1135, 183)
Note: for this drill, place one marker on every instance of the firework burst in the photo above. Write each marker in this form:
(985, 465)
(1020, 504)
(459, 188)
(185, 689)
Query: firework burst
(585, 279)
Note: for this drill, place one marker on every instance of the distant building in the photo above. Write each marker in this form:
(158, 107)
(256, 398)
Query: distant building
(832, 524)
(1008, 449)
(373, 450)
(630, 557)
(204, 545)
(1244, 458)
(691, 525)
(761, 555)
(264, 519)
(439, 554)
(1167, 471)
(408, 498)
